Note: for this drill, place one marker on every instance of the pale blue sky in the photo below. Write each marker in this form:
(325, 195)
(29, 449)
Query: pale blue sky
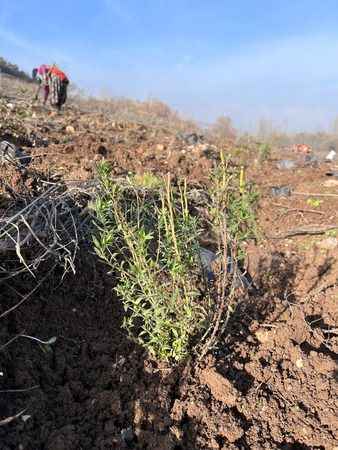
(247, 59)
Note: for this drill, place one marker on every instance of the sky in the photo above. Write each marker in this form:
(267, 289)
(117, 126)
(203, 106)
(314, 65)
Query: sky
(248, 59)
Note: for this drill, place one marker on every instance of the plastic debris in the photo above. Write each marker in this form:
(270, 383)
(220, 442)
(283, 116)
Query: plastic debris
(191, 138)
(10, 154)
(281, 191)
(331, 156)
(26, 417)
(286, 164)
(242, 277)
(207, 258)
(311, 160)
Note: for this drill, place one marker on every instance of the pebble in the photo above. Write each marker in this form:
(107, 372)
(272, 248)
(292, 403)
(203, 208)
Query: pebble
(127, 435)
(70, 129)
(299, 363)
(263, 336)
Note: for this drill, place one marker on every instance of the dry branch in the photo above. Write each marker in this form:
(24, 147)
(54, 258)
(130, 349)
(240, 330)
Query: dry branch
(11, 419)
(43, 229)
(301, 210)
(308, 194)
(309, 230)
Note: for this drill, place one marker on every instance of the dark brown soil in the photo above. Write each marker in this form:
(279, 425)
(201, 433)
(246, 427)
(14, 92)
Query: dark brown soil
(271, 383)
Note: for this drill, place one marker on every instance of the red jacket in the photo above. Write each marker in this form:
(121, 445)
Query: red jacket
(58, 73)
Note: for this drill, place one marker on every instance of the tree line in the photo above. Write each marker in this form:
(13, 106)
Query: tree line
(12, 69)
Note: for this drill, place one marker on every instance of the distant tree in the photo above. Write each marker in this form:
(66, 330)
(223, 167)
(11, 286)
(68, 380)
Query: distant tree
(13, 70)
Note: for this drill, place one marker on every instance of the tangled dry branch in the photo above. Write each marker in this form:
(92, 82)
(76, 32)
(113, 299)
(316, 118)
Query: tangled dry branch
(38, 230)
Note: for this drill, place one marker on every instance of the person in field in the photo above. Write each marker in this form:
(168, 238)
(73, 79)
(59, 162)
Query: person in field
(40, 75)
(54, 83)
(58, 85)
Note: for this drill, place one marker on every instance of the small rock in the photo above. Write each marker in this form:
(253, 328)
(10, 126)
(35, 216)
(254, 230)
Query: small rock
(299, 363)
(221, 388)
(127, 435)
(70, 129)
(328, 244)
(263, 336)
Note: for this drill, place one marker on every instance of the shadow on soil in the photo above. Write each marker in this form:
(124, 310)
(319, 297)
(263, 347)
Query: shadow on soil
(94, 389)
(162, 393)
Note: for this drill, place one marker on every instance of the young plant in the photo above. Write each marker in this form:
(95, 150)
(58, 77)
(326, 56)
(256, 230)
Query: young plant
(146, 180)
(314, 202)
(233, 204)
(150, 240)
(264, 152)
(231, 213)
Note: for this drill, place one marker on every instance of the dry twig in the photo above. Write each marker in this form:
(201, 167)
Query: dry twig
(309, 230)
(312, 211)
(11, 419)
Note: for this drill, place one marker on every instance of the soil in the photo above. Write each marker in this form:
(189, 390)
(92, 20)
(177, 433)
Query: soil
(270, 384)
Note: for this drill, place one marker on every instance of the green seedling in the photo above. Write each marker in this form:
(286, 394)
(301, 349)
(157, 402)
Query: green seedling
(314, 202)
(149, 238)
(147, 180)
(264, 152)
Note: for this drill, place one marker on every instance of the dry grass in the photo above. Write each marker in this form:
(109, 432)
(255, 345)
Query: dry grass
(38, 229)
(150, 113)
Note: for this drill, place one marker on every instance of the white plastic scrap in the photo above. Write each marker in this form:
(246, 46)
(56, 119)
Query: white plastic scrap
(26, 417)
(331, 156)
